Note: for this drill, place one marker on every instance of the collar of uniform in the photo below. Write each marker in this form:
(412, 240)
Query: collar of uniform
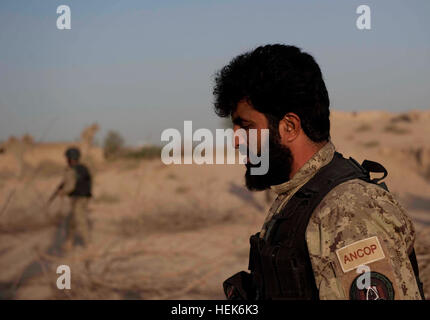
(308, 170)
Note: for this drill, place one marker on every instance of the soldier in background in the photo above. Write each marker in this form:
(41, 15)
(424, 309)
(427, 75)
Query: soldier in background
(77, 185)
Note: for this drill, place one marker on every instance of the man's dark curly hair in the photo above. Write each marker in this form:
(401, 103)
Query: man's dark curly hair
(276, 79)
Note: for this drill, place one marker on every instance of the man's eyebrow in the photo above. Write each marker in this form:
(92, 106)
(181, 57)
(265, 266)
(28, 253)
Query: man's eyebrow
(239, 120)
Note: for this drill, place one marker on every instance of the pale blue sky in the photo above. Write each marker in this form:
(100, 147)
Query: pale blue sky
(140, 67)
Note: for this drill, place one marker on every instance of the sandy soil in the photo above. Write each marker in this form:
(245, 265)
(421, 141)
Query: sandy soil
(176, 232)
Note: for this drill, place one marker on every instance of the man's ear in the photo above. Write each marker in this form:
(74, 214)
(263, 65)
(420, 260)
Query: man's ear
(289, 127)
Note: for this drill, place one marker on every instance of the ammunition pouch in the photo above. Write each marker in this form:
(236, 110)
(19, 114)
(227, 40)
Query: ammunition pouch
(281, 270)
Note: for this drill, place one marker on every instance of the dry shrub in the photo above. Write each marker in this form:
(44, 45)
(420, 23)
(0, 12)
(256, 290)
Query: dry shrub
(371, 144)
(363, 128)
(182, 189)
(112, 144)
(404, 117)
(146, 152)
(391, 128)
(171, 176)
(48, 168)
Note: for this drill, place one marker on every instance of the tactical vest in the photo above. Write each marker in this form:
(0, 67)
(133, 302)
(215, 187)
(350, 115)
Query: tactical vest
(83, 182)
(280, 265)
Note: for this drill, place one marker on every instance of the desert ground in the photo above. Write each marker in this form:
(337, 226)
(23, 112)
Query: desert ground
(176, 231)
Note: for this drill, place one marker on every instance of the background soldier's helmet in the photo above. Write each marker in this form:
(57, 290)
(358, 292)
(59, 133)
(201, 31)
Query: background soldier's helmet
(73, 154)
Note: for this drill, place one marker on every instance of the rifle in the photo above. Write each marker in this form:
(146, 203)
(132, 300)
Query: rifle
(239, 287)
(55, 194)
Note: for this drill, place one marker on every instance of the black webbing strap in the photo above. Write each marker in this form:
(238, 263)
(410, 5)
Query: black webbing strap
(372, 166)
(339, 170)
(414, 263)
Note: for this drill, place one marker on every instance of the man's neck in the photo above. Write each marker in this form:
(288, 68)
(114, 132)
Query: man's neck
(300, 157)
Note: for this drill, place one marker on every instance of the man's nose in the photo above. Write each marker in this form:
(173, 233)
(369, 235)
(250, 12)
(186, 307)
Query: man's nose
(238, 137)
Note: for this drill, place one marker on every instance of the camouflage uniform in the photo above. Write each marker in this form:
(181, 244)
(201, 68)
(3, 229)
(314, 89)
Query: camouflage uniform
(353, 216)
(78, 216)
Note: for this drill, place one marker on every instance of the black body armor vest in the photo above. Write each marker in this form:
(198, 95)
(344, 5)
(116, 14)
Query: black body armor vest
(83, 182)
(280, 265)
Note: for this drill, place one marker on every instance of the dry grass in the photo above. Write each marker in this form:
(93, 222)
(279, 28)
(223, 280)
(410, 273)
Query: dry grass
(173, 220)
(137, 270)
(129, 164)
(6, 174)
(19, 219)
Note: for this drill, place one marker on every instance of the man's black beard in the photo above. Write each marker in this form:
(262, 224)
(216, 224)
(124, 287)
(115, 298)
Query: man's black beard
(280, 160)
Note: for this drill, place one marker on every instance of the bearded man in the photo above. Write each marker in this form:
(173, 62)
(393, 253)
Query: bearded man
(333, 232)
